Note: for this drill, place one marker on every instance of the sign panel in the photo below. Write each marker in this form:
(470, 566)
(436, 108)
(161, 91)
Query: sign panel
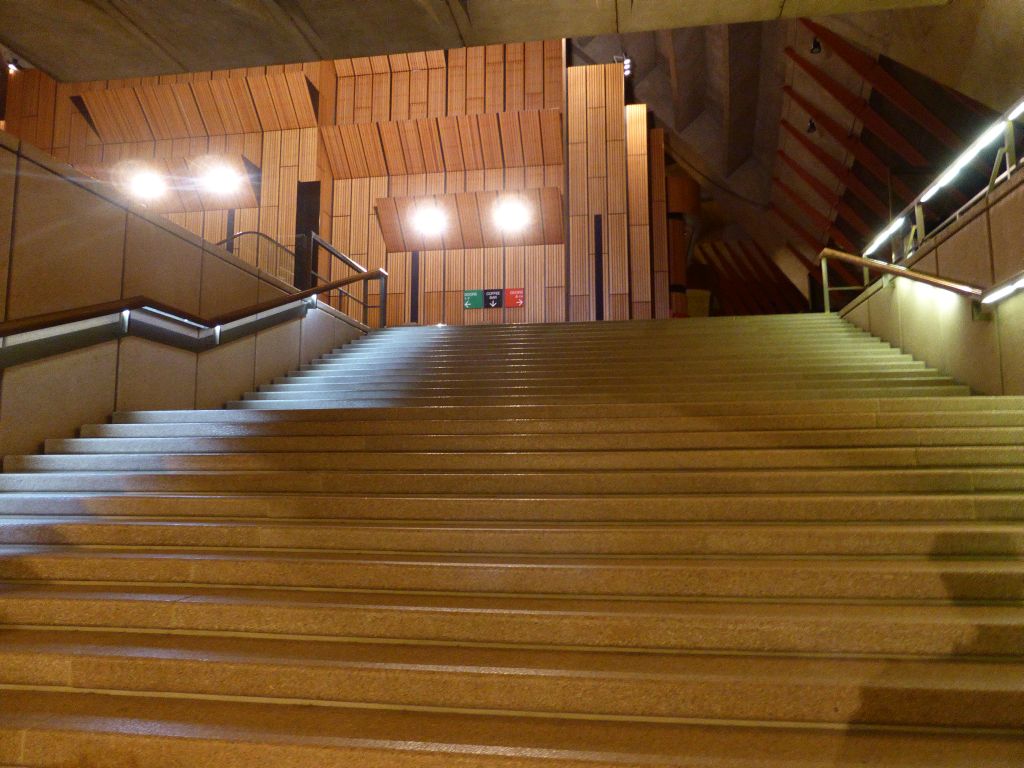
(493, 297)
(473, 299)
(515, 297)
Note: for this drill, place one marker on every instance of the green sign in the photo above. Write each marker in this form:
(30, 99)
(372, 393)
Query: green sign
(473, 299)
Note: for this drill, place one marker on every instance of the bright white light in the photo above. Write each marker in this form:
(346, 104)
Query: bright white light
(147, 185)
(627, 67)
(12, 67)
(220, 180)
(889, 231)
(1002, 293)
(993, 133)
(511, 215)
(1018, 112)
(430, 221)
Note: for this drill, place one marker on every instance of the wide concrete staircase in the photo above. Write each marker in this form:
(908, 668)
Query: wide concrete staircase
(724, 543)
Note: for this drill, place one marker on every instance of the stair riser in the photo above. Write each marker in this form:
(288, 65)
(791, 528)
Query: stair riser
(566, 460)
(650, 441)
(704, 426)
(681, 580)
(861, 507)
(514, 388)
(704, 540)
(549, 691)
(286, 401)
(731, 631)
(523, 484)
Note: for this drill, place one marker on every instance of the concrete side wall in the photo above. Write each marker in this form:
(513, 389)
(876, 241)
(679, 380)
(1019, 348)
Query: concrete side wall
(983, 248)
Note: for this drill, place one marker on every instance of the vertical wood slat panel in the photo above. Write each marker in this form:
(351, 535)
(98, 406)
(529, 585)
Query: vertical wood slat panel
(639, 217)
(494, 78)
(476, 65)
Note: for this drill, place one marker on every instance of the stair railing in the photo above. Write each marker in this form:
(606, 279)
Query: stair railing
(873, 265)
(54, 333)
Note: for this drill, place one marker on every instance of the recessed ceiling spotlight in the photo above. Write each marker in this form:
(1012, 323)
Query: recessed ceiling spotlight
(511, 215)
(147, 185)
(220, 179)
(430, 221)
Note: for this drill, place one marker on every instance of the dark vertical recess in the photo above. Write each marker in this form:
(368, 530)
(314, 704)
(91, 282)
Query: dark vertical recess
(598, 268)
(414, 288)
(231, 231)
(307, 219)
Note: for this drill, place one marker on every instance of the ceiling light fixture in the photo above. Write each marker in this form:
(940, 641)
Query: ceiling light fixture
(147, 185)
(220, 180)
(430, 221)
(812, 127)
(12, 66)
(816, 46)
(511, 215)
(626, 62)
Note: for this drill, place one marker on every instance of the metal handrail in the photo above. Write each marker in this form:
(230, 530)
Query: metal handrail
(247, 232)
(205, 333)
(874, 265)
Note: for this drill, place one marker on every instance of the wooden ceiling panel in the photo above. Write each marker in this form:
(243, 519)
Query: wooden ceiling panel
(373, 151)
(160, 106)
(391, 141)
(302, 102)
(206, 103)
(455, 143)
(451, 143)
(335, 151)
(490, 140)
(189, 109)
(269, 117)
(470, 221)
(469, 138)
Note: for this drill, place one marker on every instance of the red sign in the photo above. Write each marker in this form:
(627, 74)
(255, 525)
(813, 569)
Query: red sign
(515, 297)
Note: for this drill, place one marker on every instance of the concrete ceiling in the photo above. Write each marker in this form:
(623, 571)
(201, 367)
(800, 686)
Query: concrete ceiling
(109, 39)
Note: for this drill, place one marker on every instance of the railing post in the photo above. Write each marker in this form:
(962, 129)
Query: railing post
(366, 300)
(826, 299)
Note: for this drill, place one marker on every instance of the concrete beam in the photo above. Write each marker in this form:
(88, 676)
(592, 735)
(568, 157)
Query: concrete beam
(110, 39)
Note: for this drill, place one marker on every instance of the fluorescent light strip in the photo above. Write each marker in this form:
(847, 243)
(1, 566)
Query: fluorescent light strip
(889, 231)
(993, 133)
(1017, 112)
(1001, 293)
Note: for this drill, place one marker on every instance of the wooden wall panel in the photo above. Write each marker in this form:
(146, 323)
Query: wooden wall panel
(392, 127)
(639, 216)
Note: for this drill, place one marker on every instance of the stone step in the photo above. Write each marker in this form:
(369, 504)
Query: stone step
(514, 387)
(528, 461)
(511, 509)
(485, 484)
(539, 441)
(701, 427)
(71, 728)
(968, 539)
(903, 692)
(936, 629)
(760, 406)
(932, 579)
(331, 400)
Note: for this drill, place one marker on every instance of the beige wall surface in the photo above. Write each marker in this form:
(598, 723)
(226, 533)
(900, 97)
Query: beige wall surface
(53, 397)
(983, 248)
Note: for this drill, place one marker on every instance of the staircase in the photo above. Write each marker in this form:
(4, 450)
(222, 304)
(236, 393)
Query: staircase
(726, 543)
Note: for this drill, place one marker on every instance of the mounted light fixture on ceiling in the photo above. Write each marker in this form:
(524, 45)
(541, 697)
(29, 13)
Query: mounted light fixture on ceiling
(430, 221)
(812, 127)
(626, 62)
(511, 215)
(220, 179)
(816, 46)
(12, 66)
(147, 185)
